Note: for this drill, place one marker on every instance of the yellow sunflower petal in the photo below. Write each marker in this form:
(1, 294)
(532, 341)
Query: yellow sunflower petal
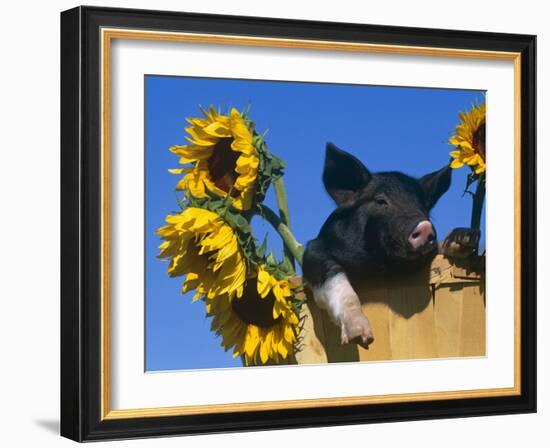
(264, 283)
(469, 140)
(192, 239)
(218, 130)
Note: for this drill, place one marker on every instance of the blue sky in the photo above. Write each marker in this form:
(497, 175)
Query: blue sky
(388, 128)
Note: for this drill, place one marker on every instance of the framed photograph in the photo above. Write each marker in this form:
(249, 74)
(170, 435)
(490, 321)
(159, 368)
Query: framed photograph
(275, 224)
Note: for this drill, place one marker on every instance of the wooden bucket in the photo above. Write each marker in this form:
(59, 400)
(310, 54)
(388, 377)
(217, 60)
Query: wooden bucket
(437, 313)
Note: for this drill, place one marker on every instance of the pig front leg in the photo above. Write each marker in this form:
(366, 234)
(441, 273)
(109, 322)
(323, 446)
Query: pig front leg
(461, 243)
(342, 303)
(333, 292)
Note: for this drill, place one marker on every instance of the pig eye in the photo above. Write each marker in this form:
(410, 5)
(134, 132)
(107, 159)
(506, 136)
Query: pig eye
(380, 200)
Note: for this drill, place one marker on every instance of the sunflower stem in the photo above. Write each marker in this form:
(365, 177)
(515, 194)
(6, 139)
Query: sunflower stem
(293, 246)
(478, 198)
(284, 214)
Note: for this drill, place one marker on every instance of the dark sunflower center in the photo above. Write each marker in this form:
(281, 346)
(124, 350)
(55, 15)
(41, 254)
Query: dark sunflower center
(222, 166)
(479, 139)
(252, 309)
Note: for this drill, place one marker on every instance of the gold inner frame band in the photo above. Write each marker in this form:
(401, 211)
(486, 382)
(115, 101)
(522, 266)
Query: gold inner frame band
(107, 35)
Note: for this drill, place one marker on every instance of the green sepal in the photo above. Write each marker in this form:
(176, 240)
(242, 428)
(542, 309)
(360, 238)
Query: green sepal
(270, 167)
(260, 251)
(234, 219)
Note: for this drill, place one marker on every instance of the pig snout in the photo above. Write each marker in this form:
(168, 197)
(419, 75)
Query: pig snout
(422, 234)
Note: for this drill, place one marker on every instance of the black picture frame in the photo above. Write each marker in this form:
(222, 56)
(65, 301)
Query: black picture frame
(81, 224)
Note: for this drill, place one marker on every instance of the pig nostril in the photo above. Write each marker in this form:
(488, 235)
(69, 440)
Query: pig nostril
(422, 235)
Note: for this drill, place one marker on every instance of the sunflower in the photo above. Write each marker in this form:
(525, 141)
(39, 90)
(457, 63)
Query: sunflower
(260, 326)
(222, 156)
(470, 140)
(200, 245)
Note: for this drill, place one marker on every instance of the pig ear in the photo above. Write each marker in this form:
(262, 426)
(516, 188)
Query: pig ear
(344, 175)
(435, 184)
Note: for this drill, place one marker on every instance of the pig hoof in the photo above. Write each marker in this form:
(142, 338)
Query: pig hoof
(461, 243)
(357, 329)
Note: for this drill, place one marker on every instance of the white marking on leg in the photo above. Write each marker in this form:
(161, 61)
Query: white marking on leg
(334, 295)
(342, 303)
